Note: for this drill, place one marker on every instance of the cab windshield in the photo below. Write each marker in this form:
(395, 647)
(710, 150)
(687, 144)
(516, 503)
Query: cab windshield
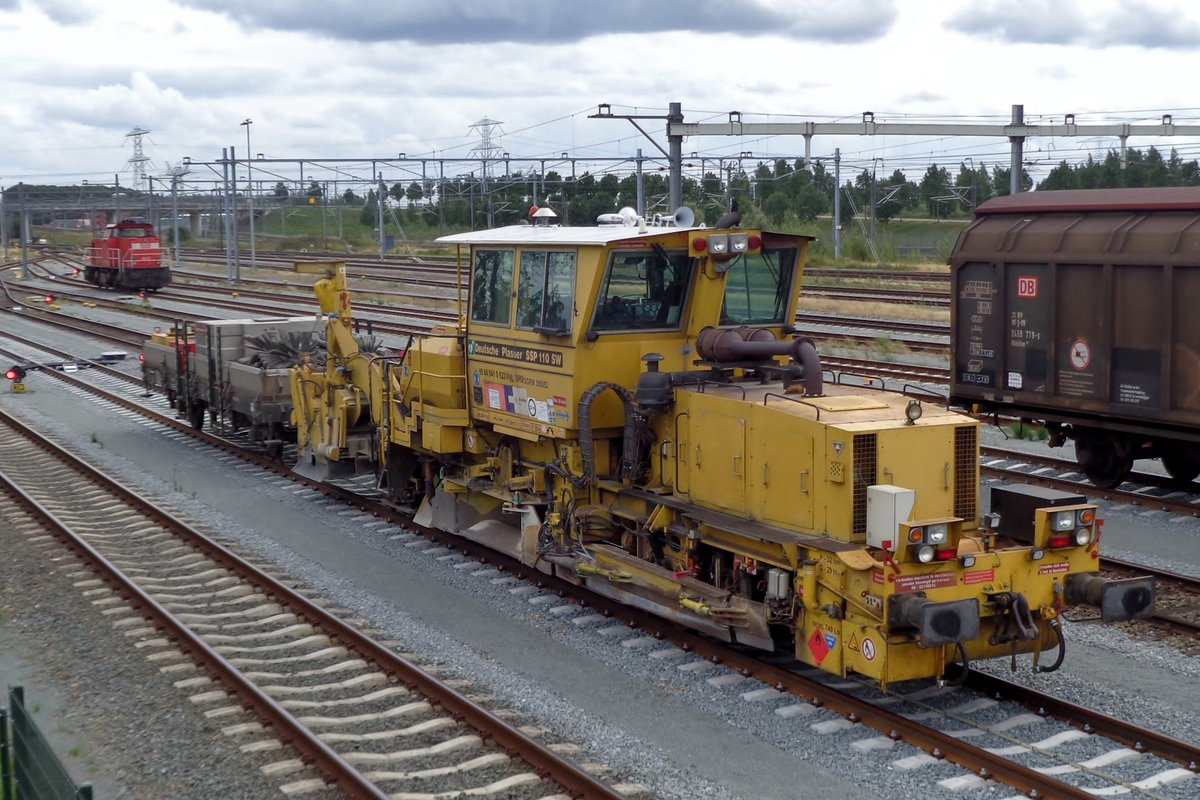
(758, 288)
(643, 289)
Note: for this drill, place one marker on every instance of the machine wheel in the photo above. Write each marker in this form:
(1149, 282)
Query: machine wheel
(196, 415)
(1181, 465)
(1105, 460)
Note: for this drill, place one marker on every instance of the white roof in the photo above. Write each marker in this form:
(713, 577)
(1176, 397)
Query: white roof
(551, 234)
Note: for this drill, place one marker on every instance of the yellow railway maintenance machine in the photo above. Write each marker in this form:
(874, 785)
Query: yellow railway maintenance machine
(630, 407)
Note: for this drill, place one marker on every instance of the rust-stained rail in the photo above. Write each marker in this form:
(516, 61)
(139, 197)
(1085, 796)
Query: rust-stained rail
(544, 760)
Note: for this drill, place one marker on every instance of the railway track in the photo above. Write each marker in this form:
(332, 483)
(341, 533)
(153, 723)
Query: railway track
(943, 714)
(369, 721)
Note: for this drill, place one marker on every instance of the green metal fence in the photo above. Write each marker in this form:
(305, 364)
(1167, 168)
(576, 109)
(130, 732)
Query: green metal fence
(29, 768)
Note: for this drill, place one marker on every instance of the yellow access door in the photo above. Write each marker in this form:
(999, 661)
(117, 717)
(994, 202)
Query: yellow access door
(717, 468)
(781, 478)
(927, 468)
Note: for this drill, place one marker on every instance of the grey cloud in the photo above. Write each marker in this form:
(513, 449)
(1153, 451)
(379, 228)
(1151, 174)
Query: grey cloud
(1036, 22)
(64, 12)
(478, 21)
(1022, 21)
(1146, 26)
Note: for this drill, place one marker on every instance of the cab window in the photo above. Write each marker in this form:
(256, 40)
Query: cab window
(758, 288)
(546, 291)
(643, 289)
(491, 286)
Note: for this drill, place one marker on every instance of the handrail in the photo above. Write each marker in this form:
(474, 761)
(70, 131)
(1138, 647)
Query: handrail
(795, 399)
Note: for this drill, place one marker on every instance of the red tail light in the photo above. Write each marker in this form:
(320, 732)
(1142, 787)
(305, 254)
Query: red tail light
(946, 554)
(1060, 541)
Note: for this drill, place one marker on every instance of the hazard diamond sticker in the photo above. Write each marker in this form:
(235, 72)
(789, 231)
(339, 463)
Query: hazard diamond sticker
(818, 645)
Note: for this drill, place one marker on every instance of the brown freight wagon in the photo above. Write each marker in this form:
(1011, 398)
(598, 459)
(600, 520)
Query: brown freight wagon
(1081, 310)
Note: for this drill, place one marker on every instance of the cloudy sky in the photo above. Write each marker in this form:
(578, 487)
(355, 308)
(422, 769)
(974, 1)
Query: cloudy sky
(365, 79)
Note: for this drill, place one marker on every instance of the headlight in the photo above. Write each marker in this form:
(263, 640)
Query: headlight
(718, 244)
(738, 242)
(925, 553)
(1083, 535)
(936, 534)
(1063, 521)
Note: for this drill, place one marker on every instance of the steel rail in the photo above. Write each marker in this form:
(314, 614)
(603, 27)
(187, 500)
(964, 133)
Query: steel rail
(544, 760)
(328, 761)
(1090, 721)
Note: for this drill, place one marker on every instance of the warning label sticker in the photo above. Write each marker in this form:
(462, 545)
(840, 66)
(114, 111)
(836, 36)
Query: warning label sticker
(979, 576)
(1055, 568)
(1081, 354)
(921, 583)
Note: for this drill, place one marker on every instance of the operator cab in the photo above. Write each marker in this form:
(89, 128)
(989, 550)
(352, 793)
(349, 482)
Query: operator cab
(552, 311)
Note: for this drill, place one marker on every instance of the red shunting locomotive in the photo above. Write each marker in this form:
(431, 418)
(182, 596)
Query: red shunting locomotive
(127, 255)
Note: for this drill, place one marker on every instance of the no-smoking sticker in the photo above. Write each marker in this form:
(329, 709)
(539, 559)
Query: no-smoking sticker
(1081, 354)
(868, 648)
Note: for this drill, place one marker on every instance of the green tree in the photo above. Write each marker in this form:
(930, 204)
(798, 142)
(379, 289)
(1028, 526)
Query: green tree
(369, 215)
(1000, 181)
(414, 193)
(777, 207)
(1064, 176)
(933, 190)
(810, 202)
(281, 191)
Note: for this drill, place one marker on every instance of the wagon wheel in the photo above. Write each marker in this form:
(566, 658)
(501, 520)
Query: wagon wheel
(1181, 465)
(1104, 459)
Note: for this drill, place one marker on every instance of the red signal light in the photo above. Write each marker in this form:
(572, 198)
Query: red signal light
(16, 374)
(142, 294)
(141, 356)
(75, 271)
(49, 298)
